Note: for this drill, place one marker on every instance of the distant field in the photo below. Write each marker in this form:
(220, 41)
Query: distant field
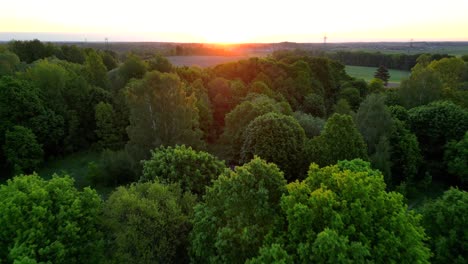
(367, 73)
(204, 61)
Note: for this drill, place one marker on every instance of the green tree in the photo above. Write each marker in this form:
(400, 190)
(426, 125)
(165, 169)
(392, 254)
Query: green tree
(376, 85)
(160, 114)
(133, 67)
(435, 125)
(373, 120)
(342, 107)
(456, 158)
(8, 63)
(107, 130)
(193, 170)
(339, 140)
(49, 221)
(449, 70)
(51, 79)
(276, 138)
(205, 109)
(314, 105)
(21, 150)
(421, 88)
(236, 214)
(159, 63)
(445, 222)
(351, 95)
(382, 74)
(405, 153)
(242, 115)
(312, 125)
(148, 223)
(95, 70)
(342, 214)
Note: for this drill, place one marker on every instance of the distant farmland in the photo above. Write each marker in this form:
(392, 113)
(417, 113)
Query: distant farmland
(203, 61)
(367, 73)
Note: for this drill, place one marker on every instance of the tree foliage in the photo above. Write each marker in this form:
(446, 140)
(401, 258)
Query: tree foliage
(242, 115)
(445, 222)
(382, 74)
(237, 212)
(339, 140)
(342, 214)
(456, 158)
(276, 138)
(148, 223)
(193, 170)
(49, 221)
(160, 114)
(21, 149)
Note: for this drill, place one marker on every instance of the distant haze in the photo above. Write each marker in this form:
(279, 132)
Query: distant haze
(235, 21)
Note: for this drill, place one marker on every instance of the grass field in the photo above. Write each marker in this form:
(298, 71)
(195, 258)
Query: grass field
(367, 73)
(203, 61)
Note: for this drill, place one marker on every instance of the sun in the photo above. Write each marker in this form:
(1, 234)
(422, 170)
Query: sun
(225, 36)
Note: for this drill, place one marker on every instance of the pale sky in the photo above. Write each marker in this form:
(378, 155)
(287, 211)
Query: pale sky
(235, 20)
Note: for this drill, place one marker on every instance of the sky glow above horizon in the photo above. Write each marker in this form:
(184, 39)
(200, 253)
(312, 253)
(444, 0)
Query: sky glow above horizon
(235, 21)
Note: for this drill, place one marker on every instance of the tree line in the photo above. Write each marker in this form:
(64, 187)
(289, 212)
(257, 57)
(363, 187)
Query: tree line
(280, 159)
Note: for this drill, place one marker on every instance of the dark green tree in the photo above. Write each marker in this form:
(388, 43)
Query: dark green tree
(107, 130)
(193, 170)
(148, 223)
(373, 120)
(49, 221)
(236, 214)
(9, 63)
(276, 138)
(339, 140)
(160, 114)
(445, 222)
(242, 115)
(22, 151)
(382, 74)
(456, 158)
(133, 67)
(95, 70)
(312, 125)
(421, 88)
(314, 105)
(435, 125)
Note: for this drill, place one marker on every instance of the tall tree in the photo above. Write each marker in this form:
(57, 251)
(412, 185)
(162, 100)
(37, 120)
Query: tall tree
(382, 74)
(373, 120)
(160, 114)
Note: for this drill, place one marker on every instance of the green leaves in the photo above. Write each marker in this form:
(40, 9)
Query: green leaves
(48, 221)
(276, 138)
(342, 214)
(148, 223)
(237, 212)
(194, 170)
